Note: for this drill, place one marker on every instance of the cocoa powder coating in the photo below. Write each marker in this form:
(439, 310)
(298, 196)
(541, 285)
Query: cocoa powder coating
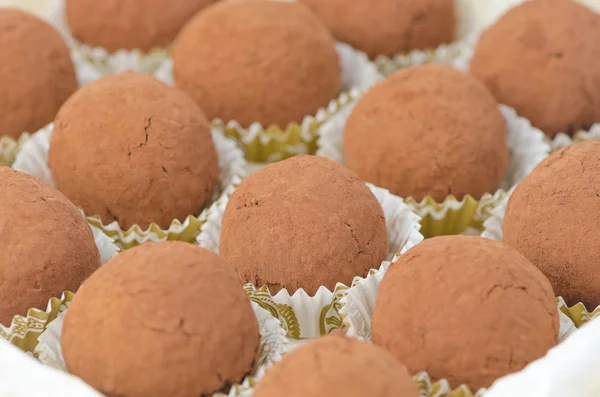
(257, 61)
(46, 246)
(337, 366)
(467, 309)
(391, 27)
(537, 59)
(133, 150)
(130, 24)
(161, 319)
(36, 73)
(304, 222)
(552, 219)
(428, 130)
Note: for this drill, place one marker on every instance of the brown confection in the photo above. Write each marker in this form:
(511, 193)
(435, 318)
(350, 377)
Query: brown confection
(36, 73)
(130, 24)
(552, 219)
(161, 319)
(46, 246)
(337, 366)
(467, 309)
(537, 59)
(428, 130)
(254, 60)
(391, 27)
(304, 222)
(133, 150)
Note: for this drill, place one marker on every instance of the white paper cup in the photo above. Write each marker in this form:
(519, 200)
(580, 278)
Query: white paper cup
(9, 147)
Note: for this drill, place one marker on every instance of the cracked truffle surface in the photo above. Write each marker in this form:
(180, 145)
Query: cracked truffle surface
(129, 24)
(46, 246)
(336, 365)
(304, 222)
(161, 319)
(36, 73)
(133, 150)
(253, 60)
(537, 59)
(467, 309)
(428, 130)
(391, 27)
(552, 219)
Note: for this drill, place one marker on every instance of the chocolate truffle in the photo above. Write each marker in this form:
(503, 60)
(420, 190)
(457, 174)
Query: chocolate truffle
(133, 150)
(129, 24)
(428, 130)
(36, 73)
(537, 59)
(552, 219)
(161, 319)
(46, 246)
(337, 366)
(467, 309)
(304, 222)
(391, 27)
(254, 60)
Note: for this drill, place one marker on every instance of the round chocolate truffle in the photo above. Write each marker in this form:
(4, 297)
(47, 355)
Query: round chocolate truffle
(253, 60)
(133, 150)
(552, 219)
(161, 319)
(428, 130)
(46, 246)
(337, 366)
(392, 27)
(467, 309)
(537, 59)
(36, 72)
(130, 24)
(304, 222)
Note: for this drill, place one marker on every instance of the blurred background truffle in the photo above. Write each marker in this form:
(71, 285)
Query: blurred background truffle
(388, 27)
(129, 24)
(36, 72)
(272, 62)
(46, 246)
(467, 309)
(537, 58)
(133, 150)
(428, 130)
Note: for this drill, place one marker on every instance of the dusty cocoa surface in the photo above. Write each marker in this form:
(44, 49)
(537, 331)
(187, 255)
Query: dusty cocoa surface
(255, 60)
(46, 246)
(428, 130)
(391, 27)
(130, 24)
(36, 72)
(304, 222)
(466, 309)
(552, 220)
(161, 319)
(133, 150)
(537, 58)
